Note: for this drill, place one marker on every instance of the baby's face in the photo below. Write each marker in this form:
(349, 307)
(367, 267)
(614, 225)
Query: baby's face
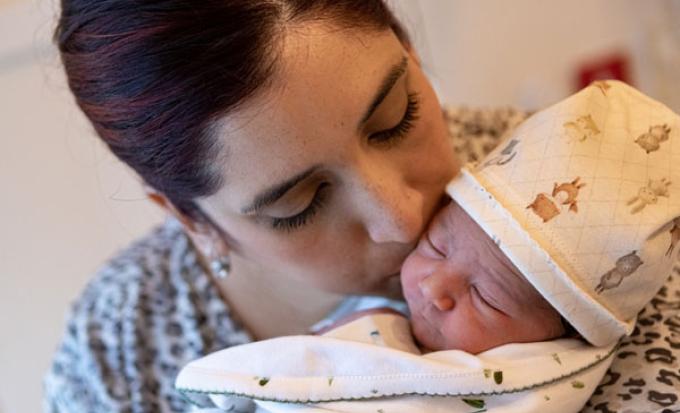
(465, 294)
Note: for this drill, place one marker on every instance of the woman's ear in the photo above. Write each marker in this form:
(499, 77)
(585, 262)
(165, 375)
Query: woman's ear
(204, 236)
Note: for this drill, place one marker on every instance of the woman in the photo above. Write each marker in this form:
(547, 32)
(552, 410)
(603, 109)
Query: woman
(298, 144)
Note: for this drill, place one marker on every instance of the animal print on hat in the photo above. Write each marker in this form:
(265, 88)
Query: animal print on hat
(585, 200)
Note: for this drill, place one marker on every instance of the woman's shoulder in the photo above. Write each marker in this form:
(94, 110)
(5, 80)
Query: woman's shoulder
(139, 262)
(148, 262)
(146, 312)
(146, 278)
(476, 131)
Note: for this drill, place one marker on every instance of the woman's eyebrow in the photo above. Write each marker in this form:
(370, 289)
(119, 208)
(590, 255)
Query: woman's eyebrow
(273, 193)
(387, 84)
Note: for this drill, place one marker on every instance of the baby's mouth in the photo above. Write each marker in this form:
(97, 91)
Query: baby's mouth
(430, 337)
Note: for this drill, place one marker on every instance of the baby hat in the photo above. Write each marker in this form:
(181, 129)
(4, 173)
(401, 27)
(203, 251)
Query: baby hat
(584, 198)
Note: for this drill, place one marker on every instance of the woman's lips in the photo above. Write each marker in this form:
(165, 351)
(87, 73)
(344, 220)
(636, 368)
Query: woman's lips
(392, 286)
(394, 278)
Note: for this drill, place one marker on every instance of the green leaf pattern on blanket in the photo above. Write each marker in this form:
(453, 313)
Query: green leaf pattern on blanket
(556, 358)
(476, 403)
(498, 377)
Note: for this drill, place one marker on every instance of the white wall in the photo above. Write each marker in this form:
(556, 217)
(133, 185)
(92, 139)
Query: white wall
(66, 204)
(491, 52)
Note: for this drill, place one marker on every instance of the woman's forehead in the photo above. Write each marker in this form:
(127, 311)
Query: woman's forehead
(323, 83)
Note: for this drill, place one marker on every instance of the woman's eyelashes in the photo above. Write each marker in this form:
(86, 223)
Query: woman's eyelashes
(389, 138)
(394, 135)
(296, 221)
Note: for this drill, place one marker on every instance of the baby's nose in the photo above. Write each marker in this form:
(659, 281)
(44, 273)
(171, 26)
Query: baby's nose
(435, 289)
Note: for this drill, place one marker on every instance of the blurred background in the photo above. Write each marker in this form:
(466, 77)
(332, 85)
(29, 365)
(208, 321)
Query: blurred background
(66, 204)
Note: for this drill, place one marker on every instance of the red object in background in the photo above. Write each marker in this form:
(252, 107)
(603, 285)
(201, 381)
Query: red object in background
(615, 66)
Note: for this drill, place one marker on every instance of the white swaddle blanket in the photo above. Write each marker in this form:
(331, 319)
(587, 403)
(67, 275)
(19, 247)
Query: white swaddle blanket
(584, 199)
(373, 365)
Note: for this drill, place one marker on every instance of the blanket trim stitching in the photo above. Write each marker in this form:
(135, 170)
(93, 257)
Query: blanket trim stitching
(384, 396)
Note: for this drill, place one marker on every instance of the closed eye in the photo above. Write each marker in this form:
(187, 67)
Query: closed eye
(300, 219)
(430, 246)
(484, 299)
(394, 135)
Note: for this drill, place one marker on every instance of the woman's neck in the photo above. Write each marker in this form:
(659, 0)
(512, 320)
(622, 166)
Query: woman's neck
(269, 305)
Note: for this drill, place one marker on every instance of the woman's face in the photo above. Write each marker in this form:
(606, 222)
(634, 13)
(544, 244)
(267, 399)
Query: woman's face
(333, 172)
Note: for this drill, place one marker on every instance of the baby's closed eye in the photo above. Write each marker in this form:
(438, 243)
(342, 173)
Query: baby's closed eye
(485, 297)
(429, 248)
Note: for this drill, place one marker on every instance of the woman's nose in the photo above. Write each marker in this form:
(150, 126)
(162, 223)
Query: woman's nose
(394, 212)
(437, 289)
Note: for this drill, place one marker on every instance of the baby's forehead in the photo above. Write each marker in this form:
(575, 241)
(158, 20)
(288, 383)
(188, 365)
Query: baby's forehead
(446, 228)
(445, 219)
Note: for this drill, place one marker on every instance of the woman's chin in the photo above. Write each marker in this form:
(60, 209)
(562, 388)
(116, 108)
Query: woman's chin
(390, 288)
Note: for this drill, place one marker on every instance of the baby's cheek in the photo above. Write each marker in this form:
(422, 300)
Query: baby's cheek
(550, 325)
(468, 329)
(424, 333)
(541, 320)
(455, 334)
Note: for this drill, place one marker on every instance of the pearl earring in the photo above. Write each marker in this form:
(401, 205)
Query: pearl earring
(221, 267)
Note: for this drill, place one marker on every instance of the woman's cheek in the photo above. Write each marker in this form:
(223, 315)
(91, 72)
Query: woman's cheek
(434, 132)
(416, 268)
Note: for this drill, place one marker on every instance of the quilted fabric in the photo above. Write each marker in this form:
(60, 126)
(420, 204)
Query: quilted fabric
(584, 198)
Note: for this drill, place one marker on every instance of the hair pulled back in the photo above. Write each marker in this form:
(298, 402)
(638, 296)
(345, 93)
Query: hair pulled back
(152, 76)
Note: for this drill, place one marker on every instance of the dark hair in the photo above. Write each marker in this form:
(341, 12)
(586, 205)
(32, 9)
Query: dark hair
(153, 76)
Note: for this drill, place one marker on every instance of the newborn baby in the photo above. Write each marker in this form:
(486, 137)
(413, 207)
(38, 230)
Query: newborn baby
(519, 290)
(464, 293)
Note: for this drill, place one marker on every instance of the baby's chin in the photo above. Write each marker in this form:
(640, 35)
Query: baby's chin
(427, 336)
(430, 335)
